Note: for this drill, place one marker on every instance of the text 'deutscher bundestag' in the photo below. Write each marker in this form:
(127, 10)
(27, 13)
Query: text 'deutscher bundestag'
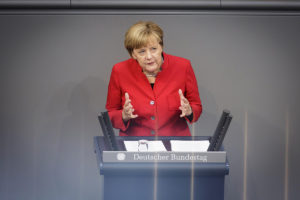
(135, 157)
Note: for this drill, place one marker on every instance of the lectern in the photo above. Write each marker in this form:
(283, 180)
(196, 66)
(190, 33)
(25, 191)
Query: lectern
(161, 175)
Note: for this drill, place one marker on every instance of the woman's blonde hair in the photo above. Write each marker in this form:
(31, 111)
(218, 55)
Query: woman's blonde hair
(139, 34)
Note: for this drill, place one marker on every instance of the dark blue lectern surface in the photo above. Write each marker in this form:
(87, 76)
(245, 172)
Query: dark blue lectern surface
(160, 180)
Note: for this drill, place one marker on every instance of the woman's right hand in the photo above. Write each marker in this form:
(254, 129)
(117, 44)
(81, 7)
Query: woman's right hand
(127, 112)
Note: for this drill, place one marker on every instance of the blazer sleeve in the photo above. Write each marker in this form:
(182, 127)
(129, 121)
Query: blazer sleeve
(192, 93)
(114, 101)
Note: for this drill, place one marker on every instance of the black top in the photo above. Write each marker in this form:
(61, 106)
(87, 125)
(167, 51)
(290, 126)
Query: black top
(152, 85)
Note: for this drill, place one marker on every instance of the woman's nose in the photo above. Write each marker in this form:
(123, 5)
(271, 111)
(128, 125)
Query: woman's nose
(148, 55)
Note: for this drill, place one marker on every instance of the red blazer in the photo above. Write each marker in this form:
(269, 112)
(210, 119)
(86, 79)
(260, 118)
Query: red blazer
(158, 108)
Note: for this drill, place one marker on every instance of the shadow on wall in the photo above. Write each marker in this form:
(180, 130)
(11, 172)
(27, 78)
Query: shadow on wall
(206, 124)
(263, 139)
(265, 158)
(68, 169)
(76, 138)
(233, 142)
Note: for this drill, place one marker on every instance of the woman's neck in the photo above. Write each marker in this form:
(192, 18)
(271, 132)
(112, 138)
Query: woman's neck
(151, 79)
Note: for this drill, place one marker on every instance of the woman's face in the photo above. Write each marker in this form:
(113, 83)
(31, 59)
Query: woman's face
(149, 57)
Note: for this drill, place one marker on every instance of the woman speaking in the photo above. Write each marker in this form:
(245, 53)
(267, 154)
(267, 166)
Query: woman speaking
(152, 93)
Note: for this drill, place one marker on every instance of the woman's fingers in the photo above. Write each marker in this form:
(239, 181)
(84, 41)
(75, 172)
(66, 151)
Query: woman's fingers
(130, 114)
(128, 110)
(184, 105)
(182, 98)
(183, 111)
(126, 96)
(133, 116)
(180, 94)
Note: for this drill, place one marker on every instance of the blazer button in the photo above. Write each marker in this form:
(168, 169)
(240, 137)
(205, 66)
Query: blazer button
(153, 118)
(152, 132)
(151, 102)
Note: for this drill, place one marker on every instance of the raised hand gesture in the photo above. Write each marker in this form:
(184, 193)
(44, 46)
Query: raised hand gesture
(127, 112)
(185, 107)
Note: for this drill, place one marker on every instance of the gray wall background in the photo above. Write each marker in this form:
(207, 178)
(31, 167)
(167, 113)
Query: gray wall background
(54, 73)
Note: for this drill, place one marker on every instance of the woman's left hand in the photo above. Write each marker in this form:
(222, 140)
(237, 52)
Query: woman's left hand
(185, 107)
